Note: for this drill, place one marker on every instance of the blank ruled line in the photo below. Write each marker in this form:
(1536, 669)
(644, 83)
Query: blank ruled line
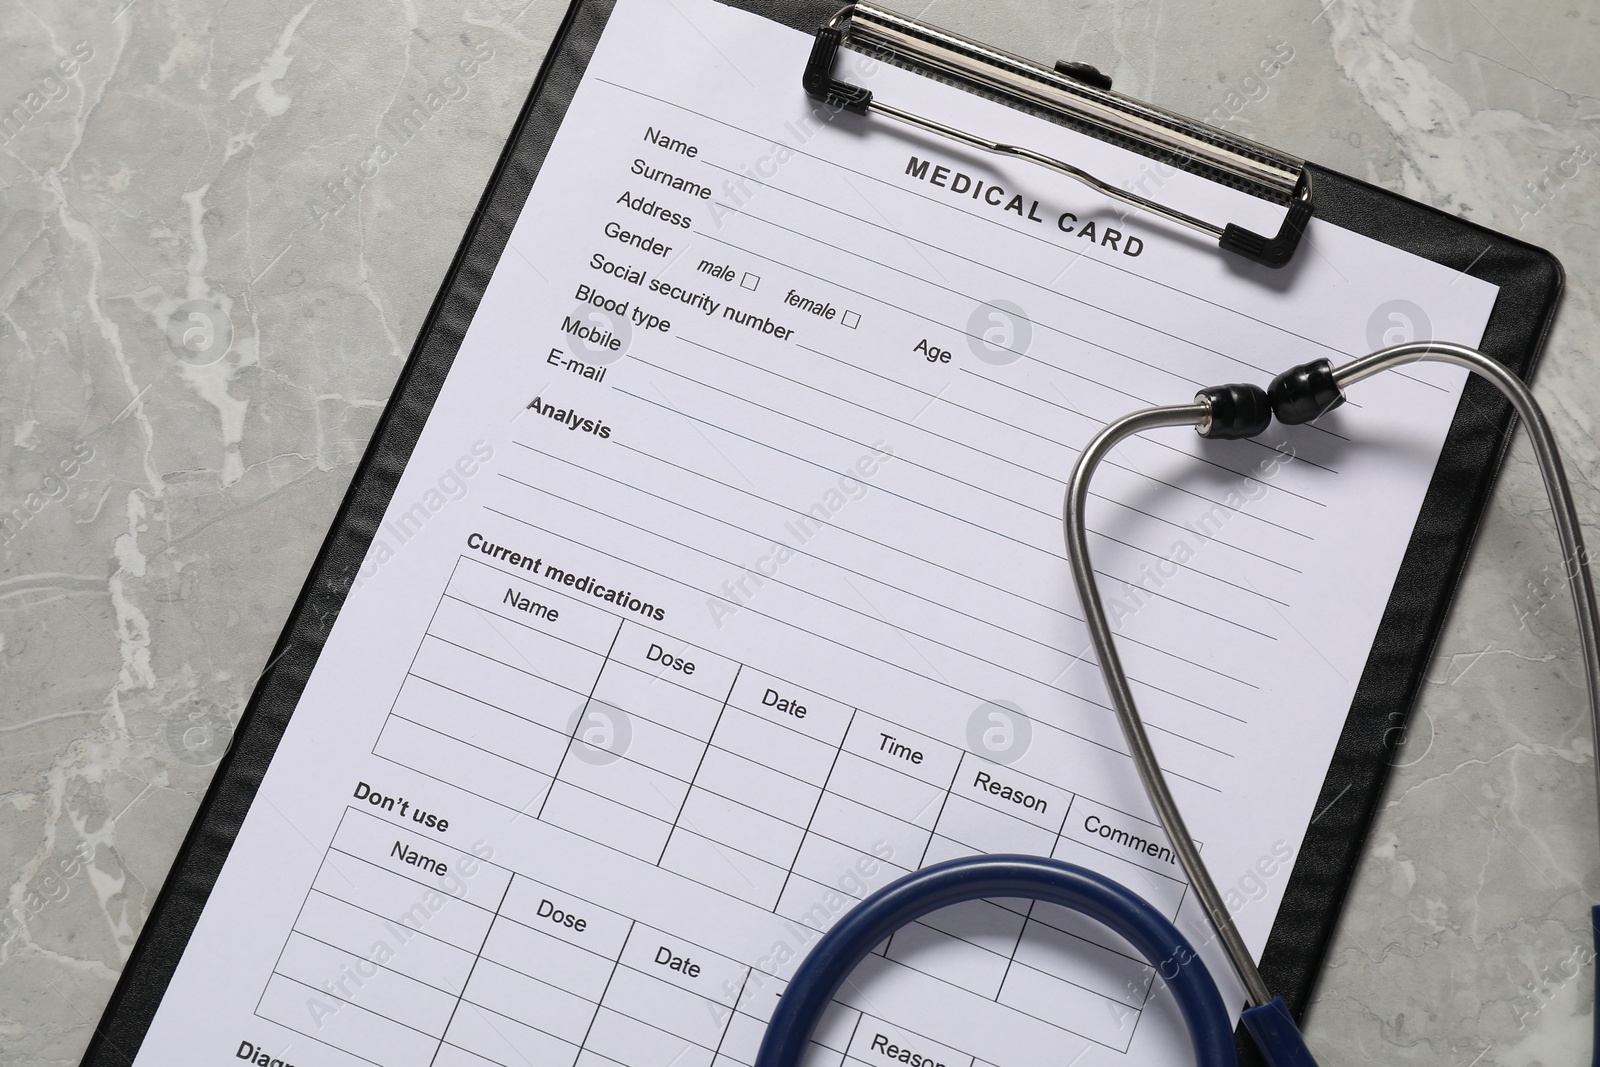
(296, 931)
(562, 733)
(976, 525)
(968, 576)
(1058, 484)
(799, 551)
(1244, 588)
(1108, 461)
(415, 932)
(350, 1003)
(734, 563)
(961, 519)
(599, 1005)
(764, 539)
(1248, 589)
(536, 770)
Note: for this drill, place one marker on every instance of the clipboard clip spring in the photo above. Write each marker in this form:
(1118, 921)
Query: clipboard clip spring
(1083, 102)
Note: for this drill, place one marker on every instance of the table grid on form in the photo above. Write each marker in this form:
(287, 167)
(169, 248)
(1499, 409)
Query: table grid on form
(492, 967)
(438, 958)
(746, 783)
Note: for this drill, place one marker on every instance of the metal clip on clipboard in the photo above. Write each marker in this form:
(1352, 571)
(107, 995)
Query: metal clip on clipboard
(1078, 97)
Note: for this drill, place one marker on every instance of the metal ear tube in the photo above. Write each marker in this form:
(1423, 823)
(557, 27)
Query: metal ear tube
(1297, 396)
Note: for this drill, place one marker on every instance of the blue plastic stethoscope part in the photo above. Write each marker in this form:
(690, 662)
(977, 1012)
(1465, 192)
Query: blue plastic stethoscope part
(976, 878)
(1114, 906)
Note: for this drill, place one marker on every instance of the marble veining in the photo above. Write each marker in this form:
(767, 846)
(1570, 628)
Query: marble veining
(222, 223)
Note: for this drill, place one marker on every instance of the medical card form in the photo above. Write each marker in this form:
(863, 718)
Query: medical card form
(726, 584)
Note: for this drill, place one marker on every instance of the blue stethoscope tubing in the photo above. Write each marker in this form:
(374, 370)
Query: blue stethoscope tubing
(957, 881)
(1225, 412)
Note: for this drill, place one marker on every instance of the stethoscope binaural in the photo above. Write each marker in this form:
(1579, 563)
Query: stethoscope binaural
(1224, 412)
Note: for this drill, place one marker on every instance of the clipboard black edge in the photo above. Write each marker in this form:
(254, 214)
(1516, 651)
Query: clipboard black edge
(175, 913)
(1531, 281)
(1322, 874)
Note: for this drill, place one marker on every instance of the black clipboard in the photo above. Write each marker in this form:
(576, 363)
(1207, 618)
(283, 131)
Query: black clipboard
(1530, 282)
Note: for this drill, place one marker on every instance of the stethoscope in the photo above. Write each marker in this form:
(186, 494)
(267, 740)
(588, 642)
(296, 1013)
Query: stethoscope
(1224, 412)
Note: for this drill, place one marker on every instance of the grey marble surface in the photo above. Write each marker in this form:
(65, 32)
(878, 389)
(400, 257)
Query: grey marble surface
(183, 177)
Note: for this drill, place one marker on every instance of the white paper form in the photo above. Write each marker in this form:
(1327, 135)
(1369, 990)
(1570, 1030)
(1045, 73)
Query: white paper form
(726, 584)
